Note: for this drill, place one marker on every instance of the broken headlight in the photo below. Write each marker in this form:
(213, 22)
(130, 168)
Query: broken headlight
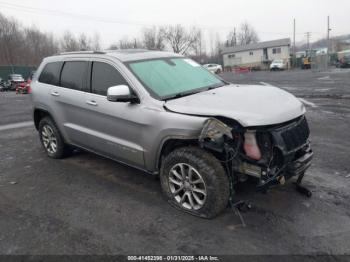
(214, 130)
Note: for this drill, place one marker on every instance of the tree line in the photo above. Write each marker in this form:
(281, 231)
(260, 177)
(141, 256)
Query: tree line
(21, 45)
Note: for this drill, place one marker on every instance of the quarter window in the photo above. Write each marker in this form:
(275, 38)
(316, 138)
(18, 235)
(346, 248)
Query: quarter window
(51, 73)
(104, 76)
(73, 75)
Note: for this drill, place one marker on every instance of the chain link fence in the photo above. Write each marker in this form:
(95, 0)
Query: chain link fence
(319, 62)
(25, 71)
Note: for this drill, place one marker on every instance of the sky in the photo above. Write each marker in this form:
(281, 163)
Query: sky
(117, 19)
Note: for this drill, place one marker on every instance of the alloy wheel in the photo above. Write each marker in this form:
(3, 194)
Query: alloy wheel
(187, 186)
(49, 139)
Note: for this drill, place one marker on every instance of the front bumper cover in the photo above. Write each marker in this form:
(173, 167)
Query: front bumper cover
(294, 168)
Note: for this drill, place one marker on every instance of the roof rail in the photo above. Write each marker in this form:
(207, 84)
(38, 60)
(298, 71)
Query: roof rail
(82, 52)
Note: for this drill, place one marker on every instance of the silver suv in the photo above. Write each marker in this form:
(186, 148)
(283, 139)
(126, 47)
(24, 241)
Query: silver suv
(165, 114)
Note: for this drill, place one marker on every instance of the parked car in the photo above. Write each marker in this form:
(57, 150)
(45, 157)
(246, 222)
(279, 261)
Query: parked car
(4, 85)
(24, 88)
(165, 114)
(344, 62)
(278, 64)
(14, 80)
(214, 68)
(1, 85)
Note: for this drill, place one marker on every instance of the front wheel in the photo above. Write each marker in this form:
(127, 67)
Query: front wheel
(194, 181)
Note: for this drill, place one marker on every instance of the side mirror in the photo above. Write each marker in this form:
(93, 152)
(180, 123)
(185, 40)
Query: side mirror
(121, 93)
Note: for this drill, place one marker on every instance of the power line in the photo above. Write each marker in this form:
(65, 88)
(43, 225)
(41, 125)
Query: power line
(30, 9)
(35, 10)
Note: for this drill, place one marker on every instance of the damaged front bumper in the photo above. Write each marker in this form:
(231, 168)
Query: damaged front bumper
(295, 168)
(284, 151)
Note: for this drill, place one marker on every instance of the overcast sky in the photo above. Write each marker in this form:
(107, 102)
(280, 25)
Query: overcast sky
(116, 19)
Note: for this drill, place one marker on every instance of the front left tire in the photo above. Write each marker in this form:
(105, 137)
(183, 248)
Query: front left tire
(194, 181)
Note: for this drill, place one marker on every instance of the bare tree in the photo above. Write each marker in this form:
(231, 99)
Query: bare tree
(180, 39)
(125, 43)
(247, 34)
(69, 43)
(153, 38)
(95, 42)
(20, 45)
(84, 42)
(37, 45)
(198, 43)
(10, 40)
(231, 39)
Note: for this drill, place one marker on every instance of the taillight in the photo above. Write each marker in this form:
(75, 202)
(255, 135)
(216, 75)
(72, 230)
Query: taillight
(29, 89)
(250, 146)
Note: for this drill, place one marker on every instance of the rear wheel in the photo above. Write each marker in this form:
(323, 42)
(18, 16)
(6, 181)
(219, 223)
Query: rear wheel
(51, 139)
(194, 181)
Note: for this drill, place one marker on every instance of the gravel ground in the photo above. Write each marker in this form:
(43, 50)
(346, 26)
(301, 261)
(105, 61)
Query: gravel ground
(86, 204)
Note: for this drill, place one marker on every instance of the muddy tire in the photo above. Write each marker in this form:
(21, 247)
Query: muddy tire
(51, 139)
(194, 181)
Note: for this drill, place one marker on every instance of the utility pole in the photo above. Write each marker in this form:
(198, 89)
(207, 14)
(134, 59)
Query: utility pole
(328, 42)
(294, 48)
(235, 36)
(308, 35)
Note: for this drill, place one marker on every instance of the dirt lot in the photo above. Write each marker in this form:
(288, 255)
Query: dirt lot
(86, 204)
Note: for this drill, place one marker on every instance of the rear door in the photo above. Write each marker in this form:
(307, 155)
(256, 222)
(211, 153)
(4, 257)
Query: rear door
(113, 128)
(69, 101)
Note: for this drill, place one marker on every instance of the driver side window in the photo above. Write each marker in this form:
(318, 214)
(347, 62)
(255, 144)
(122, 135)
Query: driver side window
(104, 76)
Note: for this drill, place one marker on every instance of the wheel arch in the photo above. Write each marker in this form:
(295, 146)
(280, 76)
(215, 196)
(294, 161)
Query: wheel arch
(171, 144)
(40, 113)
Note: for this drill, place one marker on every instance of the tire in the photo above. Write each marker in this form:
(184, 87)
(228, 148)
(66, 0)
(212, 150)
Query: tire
(208, 176)
(49, 133)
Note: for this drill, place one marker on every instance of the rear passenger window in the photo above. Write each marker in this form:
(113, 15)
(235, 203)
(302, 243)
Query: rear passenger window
(73, 75)
(51, 73)
(104, 76)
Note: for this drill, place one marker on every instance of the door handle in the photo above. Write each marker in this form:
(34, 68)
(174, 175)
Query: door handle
(55, 93)
(91, 103)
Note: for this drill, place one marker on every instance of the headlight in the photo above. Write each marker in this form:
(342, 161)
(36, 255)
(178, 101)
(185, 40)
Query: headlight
(215, 129)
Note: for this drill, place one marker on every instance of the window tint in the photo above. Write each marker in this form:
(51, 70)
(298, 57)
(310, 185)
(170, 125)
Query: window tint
(104, 76)
(51, 73)
(73, 75)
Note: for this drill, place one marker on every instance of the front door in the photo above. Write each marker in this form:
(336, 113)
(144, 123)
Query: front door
(114, 128)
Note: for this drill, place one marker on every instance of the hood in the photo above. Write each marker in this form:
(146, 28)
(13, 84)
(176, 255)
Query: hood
(250, 105)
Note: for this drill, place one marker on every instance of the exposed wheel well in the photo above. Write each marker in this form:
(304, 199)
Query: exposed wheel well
(38, 115)
(171, 144)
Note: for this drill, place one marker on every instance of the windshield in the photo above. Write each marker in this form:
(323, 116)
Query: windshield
(277, 61)
(174, 77)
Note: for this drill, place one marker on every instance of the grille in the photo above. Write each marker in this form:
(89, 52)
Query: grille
(296, 135)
